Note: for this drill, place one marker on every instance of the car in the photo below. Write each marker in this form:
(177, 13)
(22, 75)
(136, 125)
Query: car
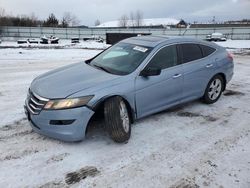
(216, 37)
(134, 78)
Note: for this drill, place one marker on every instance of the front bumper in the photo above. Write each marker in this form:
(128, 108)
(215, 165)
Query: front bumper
(75, 131)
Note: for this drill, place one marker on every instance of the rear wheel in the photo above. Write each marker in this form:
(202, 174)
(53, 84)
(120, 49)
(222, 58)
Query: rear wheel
(117, 119)
(214, 89)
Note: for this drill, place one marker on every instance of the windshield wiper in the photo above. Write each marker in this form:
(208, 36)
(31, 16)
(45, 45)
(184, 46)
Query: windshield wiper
(102, 68)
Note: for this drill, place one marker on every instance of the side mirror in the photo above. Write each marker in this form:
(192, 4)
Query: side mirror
(150, 72)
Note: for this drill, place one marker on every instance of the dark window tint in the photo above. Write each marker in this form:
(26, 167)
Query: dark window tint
(190, 52)
(207, 50)
(166, 57)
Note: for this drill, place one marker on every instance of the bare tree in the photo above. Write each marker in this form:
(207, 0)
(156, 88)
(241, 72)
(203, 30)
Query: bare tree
(75, 21)
(138, 18)
(69, 19)
(51, 21)
(18, 20)
(66, 20)
(97, 22)
(64, 23)
(2, 12)
(132, 19)
(33, 17)
(123, 21)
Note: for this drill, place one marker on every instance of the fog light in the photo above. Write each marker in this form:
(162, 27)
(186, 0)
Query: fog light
(62, 122)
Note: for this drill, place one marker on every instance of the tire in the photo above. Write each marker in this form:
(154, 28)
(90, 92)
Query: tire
(214, 89)
(117, 119)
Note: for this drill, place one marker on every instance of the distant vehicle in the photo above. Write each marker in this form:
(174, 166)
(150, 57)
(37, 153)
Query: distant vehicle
(94, 38)
(134, 78)
(32, 41)
(22, 41)
(49, 40)
(75, 40)
(28, 41)
(216, 37)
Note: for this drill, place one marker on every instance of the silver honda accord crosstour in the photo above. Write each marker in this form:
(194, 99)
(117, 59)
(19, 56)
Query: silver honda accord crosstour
(135, 78)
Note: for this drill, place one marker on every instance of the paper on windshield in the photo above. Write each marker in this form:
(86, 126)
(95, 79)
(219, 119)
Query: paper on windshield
(141, 49)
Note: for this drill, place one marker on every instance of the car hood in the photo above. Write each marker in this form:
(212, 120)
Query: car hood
(65, 81)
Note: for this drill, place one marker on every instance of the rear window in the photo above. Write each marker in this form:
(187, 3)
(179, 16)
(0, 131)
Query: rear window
(207, 50)
(191, 52)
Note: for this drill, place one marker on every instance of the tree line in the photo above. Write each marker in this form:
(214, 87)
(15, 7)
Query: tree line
(135, 19)
(68, 20)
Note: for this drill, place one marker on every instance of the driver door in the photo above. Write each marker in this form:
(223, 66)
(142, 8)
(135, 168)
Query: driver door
(155, 93)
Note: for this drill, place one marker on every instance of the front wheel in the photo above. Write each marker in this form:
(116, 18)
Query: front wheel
(213, 90)
(117, 119)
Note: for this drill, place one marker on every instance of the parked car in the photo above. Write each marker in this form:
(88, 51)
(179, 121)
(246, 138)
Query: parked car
(94, 38)
(22, 41)
(75, 40)
(27, 41)
(216, 37)
(32, 41)
(136, 77)
(49, 40)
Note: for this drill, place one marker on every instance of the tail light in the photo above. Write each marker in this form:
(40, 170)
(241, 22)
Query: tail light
(230, 56)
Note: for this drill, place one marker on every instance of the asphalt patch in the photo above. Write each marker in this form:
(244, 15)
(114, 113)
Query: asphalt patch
(77, 176)
(13, 125)
(193, 114)
(54, 184)
(232, 92)
(186, 183)
(57, 158)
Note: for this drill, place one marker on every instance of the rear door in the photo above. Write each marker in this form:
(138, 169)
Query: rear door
(154, 93)
(198, 68)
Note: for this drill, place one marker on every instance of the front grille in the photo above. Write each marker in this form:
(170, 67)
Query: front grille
(35, 103)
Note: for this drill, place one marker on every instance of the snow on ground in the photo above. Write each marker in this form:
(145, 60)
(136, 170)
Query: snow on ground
(62, 44)
(21, 66)
(235, 44)
(145, 22)
(189, 146)
(66, 44)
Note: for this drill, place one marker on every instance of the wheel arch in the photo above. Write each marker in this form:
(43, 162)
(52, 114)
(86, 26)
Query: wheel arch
(100, 104)
(224, 80)
(223, 77)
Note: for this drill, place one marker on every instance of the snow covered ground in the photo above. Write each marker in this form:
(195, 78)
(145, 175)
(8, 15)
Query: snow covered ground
(145, 22)
(63, 44)
(189, 146)
(66, 44)
(235, 44)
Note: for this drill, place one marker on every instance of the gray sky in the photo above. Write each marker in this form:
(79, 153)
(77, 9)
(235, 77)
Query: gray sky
(108, 10)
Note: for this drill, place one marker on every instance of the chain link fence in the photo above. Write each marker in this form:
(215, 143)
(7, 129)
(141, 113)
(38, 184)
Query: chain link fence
(68, 33)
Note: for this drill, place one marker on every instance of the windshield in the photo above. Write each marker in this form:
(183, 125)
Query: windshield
(121, 59)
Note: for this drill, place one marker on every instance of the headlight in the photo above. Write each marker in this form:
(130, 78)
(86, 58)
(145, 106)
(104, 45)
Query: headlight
(67, 103)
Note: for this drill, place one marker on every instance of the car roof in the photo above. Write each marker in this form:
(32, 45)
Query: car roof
(154, 40)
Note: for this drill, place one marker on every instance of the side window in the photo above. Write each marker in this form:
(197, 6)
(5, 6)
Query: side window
(165, 58)
(190, 52)
(207, 50)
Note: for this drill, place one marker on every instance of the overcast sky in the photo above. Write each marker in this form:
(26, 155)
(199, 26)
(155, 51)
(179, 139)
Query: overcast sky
(108, 10)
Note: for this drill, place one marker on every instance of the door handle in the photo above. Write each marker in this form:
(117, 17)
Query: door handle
(209, 65)
(177, 75)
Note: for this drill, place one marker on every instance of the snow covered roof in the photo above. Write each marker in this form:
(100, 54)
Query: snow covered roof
(145, 22)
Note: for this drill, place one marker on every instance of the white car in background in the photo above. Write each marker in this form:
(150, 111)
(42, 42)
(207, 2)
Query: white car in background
(216, 37)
